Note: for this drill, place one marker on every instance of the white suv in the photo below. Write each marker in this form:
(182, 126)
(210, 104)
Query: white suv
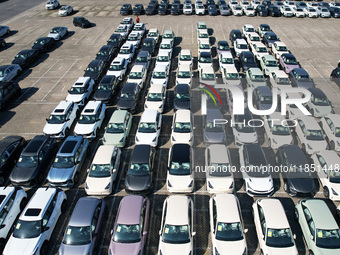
(37, 222)
(160, 75)
(80, 91)
(149, 128)
(118, 68)
(137, 75)
(61, 119)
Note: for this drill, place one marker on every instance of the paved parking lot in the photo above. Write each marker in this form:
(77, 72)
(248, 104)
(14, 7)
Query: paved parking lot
(314, 42)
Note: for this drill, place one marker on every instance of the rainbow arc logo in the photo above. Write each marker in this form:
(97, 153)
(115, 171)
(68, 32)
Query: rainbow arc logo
(210, 93)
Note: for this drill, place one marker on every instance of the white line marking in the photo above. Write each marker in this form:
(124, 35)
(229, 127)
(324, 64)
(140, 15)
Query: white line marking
(223, 32)
(82, 37)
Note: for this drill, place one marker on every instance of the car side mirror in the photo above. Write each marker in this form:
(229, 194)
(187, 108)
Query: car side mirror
(311, 237)
(193, 233)
(294, 236)
(46, 228)
(263, 237)
(88, 170)
(68, 91)
(245, 231)
(46, 119)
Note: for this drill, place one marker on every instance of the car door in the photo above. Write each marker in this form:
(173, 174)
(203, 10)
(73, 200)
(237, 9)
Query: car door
(115, 161)
(8, 214)
(95, 227)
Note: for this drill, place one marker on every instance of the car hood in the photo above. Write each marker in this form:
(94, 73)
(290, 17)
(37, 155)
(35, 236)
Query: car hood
(23, 174)
(137, 183)
(324, 110)
(263, 184)
(60, 174)
(302, 185)
(125, 248)
(37, 46)
(18, 61)
(246, 137)
(181, 104)
(115, 73)
(97, 184)
(103, 58)
(146, 138)
(183, 137)
(102, 95)
(282, 139)
(75, 97)
(318, 145)
(153, 105)
(232, 247)
(221, 184)
(126, 104)
(178, 249)
(51, 129)
(92, 75)
(233, 82)
(282, 251)
(179, 181)
(84, 128)
(20, 246)
(74, 249)
(214, 137)
(111, 138)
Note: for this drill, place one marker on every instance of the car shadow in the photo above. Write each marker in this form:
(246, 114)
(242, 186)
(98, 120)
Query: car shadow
(40, 60)
(7, 46)
(55, 46)
(210, 31)
(6, 114)
(178, 40)
(68, 35)
(93, 25)
(23, 75)
(11, 33)
(73, 13)
(26, 93)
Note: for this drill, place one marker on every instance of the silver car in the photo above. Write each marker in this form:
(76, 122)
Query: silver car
(213, 132)
(4, 30)
(9, 72)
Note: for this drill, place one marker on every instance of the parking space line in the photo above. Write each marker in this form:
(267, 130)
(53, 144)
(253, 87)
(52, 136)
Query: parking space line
(81, 38)
(310, 32)
(308, 45)
(192, 33)
(310, 63)
(104, 30)
(223, 32)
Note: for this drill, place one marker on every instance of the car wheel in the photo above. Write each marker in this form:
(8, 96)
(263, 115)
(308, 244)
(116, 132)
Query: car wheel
(67, 132)
(76, 178)
(285, 187)
(296, 214)
(64, 206)
(312, 112)
(332, 145)
(326, 192)
(23, 203)
(44, 248)
(269, 143)
(304, 148)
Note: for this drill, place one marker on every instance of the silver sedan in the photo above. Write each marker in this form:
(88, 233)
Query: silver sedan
(65, 10)
(9, 72)
(4, 30)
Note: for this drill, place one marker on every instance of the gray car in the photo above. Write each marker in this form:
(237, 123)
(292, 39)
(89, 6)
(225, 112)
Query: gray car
(263, 98)
(144, 59)
(81, 233)
(9, 72)
(213, 132)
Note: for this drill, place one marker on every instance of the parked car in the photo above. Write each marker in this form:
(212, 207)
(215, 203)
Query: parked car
(52, 5)
(213, 132)
(288, 62)
(149, 45)
(243, 133)
(247, 60)
(255, 78)
(262, 29)
(299, 12)
(43, 44)
(118, 68)
(57, 33)
(4, 30)
(95, 70)
(277, 134)
(319, 105)
(123, 31)
(137, 75)
(151, 9)
(155, 99)
(279, 80)
(154, 34)
(225, 10)
(278, 49)
(2, 43)
(330, 125)
(8, 91)
(106, 89)
(225, 60)
(273, 11)
(116, 40)
(128, 97)
(106, 54)
(235, 34)
(230, 76)
(335, 75)
(300, 78)
(80, 91)
(261, 10)
(25, 58)
(9, 72)
(143, 59)
(126, 9)
(240, 45)
(259, 50)
(65, 10)
(138, 9)
(160, 75)
(128, 21)
(182, 127)
(182, 97)
(268, 64)
(262, 98)
(269, 38)
(149, 128)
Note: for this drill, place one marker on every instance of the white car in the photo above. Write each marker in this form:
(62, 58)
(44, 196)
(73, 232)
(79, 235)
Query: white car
(199, 9)
(226, 223)
(166, 46)
(90, 119)
(177, 226)
(160, 75)
(58, 32)
(207, 76)
(134, 38)
(279, 48)
(272, 228)
(246, 29)
(127, 51)
(80, 91)
(268, 64)
(4, 30)
(65, 10)
(310, 135)
(249, 11)
(334, 4)
(226, 59)
(123, 30)
(200, 26)
(155, 99)
(118, 68)
(253, 37)
(218, 172)
(255, 3)
(183, 75)
(327, 165)
(180, 174)
(103, 171)
(323, 12)
(292, 111)
(52, 4)
(230, 76)
(331, 127)
(154, 34)
(279, 79)
(312, 4)
(244, 3)
(139, 28)
(286, 11)
(289, 3)
(204, 60)
(257, 181)
(163, 58)
(259, 50)
(311, 12)
(13, 201)
(137, 75)
(37, 222)
(60, 121)
(182, 127)
(233, 3)
(204, 46)
(239, 46)
(187, 9)
(149, 128)
(277, 134)
(243, 133)
(236, 10)
(299, 12)
(128, 21)
(185, 58)
(202, 34)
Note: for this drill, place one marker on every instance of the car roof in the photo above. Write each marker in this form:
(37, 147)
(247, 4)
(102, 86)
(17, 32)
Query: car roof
(264, 90)
(35, 145)
(184, 68)
(331, 157)
(83, 212)
(294, 154)
(156, 88)
(241, 41)
(270, 32)
(247, 54)
(105, 47)
(91, 105)
(153, 30)
(95, 63)
(134, 34)
(183, 115)
(335, 118)
(255, 153)
(317, 92)
(163, 53)
(185, 52)
(212, 114)
(160, 68)
(61, 107)
(218, 153)
(80, 82)
(70, 145)
(227, 208)
(207, 69)
(204, 41)
(268, 57)
(310, 122)
(137, 68)
(288, 55)
(274, 213)
(130, 208)
(169, 31)
(248, 25)
(118, 116)
(226, 54)
(180, 152)
(129, 87)
(165, 40)
(143, 53)
(148, 116)
(148, 39)
(177, 210)
(182, 88)
(103, 154)
(255, 70)
(280, 74)
(231, 69)
(107, 79)
(279, 43)
(141, 153)
(4, 143)
(117, 61)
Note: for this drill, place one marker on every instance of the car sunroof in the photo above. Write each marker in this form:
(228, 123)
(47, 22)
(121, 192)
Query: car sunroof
(32, 212)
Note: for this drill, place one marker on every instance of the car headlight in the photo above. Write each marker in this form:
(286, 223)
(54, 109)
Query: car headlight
(191, 183)
(309, 147)
(334, 192)
(169, 184)
(86, 186)
(108, 186)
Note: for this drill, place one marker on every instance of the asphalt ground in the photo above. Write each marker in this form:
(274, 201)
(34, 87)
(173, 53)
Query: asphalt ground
(314, 42)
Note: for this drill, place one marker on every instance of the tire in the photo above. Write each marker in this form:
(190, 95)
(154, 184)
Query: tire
(2, 180)
(296, 214)
(44, 248)
(269, 143)
(64, 206)
(332, 145)
(23, 203)
(326, 192)
(76, 178)
(285, 187)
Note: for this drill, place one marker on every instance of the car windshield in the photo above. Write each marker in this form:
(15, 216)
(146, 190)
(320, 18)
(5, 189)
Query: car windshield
(328, 239)
(249, 60)
(126, 234)
(204, 46)
(227, 61)
(183, 96)
(203, 35)
(250, 8)
(311, 10)
(180, 168)
(27, 161)
(205, 60)
(254, 38)
(92, 69)
(280, 130)
(184, 74)
(21, 56)
(77, 235)
(142, 59)
(168, 35)
(27, 229)
(99, 171)
(63, 162)
(163, 59)
(316, 135)
(266, 99)
(165, 46)
(155, 97)
(125, 22)
(244, 128)
(77, 90)
(135, 75)
(56, 119)
(41, 42)
(283, 48)
(124, 51)
(159, 75)
(87, 119)
(176, 234)
(187, 6)
(271, 63)
(115, 68)
(262, 8)
(304, 78)
(125, 7)
(261, 49)
(242, 46)
(147, 127)
(272, 37)
(231, 76)
(299, 9)
(104, 87)
(139, 169)
(127, 96)
(321, 101)
(229, 231)
(279, 238)
(265, 28)
(55, 31)
(147, 44)
(212, 7)
(139, 28)
(219, 170)
(208, 76)
(201, 26)
(213, 127)
(152, 34)
(114, 39)
(115, 128)
(103, 53)
(182, 127)
(334, 176)
(283, 81)
(291, 61)
(258, 77)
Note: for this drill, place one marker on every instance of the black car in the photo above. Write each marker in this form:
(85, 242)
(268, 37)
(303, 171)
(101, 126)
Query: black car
(247, 60)
(2, 43)
(25, 58)
(212, 10)
(115, 40)
(269, 38)
(335, 12)
(163, 9)
(144, 59)
(8, 91)
(106, 54)
(266, 3)
(261, 10)
(154, 2)
(140, 170)
(10, 150)
(126, 9)
(273, 11)
(210, 2)
(182, 97)
(33, 161)
(95, 70)
(81, 22)
(335, 76)
(297, 179)
(43, 44)
(106, 88)
(151, 9)
(300, 78)
(175, 9)
(138, 9)
(129, 97)
(149, 45)
(235, 34)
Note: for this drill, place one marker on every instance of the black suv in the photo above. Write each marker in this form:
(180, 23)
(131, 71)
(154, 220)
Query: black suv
(95, 70)
(81, 22)
(8, 90)
(126, 9)
(106, 54)
(106, 88)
